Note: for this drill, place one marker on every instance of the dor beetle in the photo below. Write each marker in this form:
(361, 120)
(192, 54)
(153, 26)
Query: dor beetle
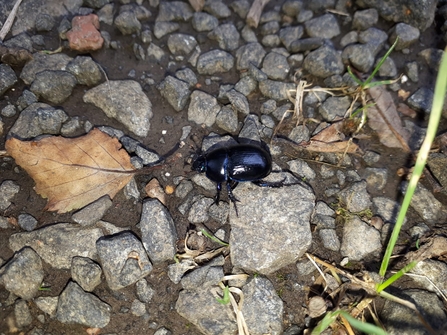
(235, 164)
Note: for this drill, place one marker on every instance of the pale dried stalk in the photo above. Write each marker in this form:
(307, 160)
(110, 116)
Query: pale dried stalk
(9, 21)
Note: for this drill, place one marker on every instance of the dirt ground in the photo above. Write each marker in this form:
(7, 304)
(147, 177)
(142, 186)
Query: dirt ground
(117, 64)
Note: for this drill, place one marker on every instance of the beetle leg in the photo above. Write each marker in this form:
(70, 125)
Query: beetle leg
(230, 186)
(263, 183)
(218, 188)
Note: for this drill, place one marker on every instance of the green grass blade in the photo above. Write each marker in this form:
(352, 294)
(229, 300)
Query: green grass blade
(377, 68)
(435, 116)
(364, 327)
(324, 323)
(214, 238)
(396, 276)
(226, 296)
(354, 77)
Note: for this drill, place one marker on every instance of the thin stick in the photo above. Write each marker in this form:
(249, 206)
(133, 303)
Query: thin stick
(254, 14)
(9, 21)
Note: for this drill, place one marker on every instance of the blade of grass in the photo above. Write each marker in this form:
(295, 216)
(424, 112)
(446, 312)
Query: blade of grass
(435, 116)
(367, 328)
(396, 276)
(377, 68)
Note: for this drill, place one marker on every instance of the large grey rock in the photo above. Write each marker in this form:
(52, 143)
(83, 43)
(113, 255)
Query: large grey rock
(215, 61)
(399, 319)
(325, 26)
(125, 101)
(226, 35)
(262, 307)
(323, 62)
(7, 78)
(86, 273)
(58, 244)
(77, 306)
(53, 86)
(93, 212)
(86, 70)
(355, 197)
(203, 108)
(37, 119)
(175, 91)
(275, 66)
(272, 229)
(181, 44)
(359, 240)
(158, 232)
(276, 90)
(8, 189)
(251, 53)
(174, 11)
(123, 259)
(42, 62)
(23, 274)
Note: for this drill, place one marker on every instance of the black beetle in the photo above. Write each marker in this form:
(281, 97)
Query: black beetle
(235, 164)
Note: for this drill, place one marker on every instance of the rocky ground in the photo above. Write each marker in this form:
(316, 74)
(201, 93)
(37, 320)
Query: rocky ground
(161, 75)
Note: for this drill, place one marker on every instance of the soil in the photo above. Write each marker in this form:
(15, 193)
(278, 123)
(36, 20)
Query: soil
(117, 64)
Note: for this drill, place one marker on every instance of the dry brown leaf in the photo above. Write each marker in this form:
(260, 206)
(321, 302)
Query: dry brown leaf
(340, 147)
(73, 172)
(384, 119)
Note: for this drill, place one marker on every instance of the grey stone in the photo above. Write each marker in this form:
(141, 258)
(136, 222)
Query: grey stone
(174, 11)
(386, 208)
(275, 66)
(123, 259)
(323, 221)
(374, 38)
(47, 304)
(276, 90)
(26, 99)
(248, 34)
(77, 306)
(356, 197)
(323, 62)
(359, 56)
(204, 21)
(44, 22)
(155, 52)
(407, 35)
(158, 232)
(217, 8)
(290, 34)
(8, 111)
(398, 319)
(364, 19)
(214, 61)
(250, 53)
(432, 57)
(262, 307)
(7, 78)
(226, 35)
(93, 212)
(22, 314)
(238, 101)
(183, 188)
(304, 15)
(271, 41)
(198, 211)
(240, 7)
(247, 84)
(412, 71)
(164, 28)
(306, 44)
(432, 275)
(299, 134)
(53, 86)
(42, 62)
(86, 70)
(201, 308)
(187, 75)
(388, 68)
(269, 28)
(330, 239)
(27, 222)
(163, 331)
(86, 273)
(208, 275)
(22, 40)
(22, 275)
(325, 26)
(144, 291)
(177, 270)
(125, 101)
(59, 243)
(421, 100)
(354, 244)
(301, 168)
(138, 308)
(292, 7)
(8, 189)
(334, 108)
(226, 119)
(426, 205)
(350, 38)
(127, 23)
(421, 13)
(181, 44)
(376, 178)
(147, 156)
(254, 238)
(203, 108)
(175, 91)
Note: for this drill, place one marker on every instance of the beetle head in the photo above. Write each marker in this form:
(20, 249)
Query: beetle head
(199, 164)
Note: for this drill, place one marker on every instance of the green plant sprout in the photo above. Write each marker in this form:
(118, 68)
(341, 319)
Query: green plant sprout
(214, 238)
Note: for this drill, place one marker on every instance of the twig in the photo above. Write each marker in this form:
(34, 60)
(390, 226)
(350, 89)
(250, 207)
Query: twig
(9, 21)
(254, 14)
